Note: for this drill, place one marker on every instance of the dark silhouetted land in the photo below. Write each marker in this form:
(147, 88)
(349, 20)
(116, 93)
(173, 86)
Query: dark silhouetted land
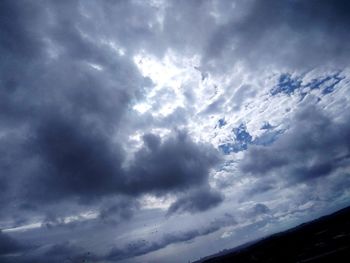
(326, 239)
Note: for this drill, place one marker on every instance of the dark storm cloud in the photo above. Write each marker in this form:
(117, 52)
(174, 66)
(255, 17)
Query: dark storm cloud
(17, 37)
(8, 245)
(315, 146)
(75, 161)
(288, 33)
(176, 164)
(79, 162)
(196, 201)
(62, 139)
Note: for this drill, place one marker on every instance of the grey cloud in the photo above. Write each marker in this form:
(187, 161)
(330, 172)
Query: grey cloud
(258, 209)
(177, 118)
(75, 161)
(300, 34)
(67, 84)
(17, 36)
(260, 187)
(215, 106)
(63, 125)
(152, 141)
(196, 201)
(256, 215)
(56, 253)
(264, 160)
(176, 164)
(142, 247)
(243, 92)
(118, 210)
(315, 146)
(9, 245)
(182, 17)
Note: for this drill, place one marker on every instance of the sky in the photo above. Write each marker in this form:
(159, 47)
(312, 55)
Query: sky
(165, 131)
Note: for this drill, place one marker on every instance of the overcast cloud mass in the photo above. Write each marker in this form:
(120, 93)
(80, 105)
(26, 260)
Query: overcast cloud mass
(165, 131)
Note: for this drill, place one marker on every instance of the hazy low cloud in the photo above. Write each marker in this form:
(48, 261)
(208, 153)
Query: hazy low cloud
(141, 247)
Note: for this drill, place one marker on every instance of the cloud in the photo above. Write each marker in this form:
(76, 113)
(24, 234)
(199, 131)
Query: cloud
(176, 164)
(68, 251)
(118, 211)
(8, 245)
(294, 34)
(62, 135)
(75, 161)
(77, 155)
(196, 201)
(142, 247)
(315, 146)
(56, 253)
(16, 36)
(241, 95)
(257, 210)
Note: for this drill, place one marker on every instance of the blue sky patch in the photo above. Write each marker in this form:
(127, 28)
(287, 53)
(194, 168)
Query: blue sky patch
(241, 134)
(327, 84)
(266, 126)
(286, 84)
(221, 123)
(242, 139)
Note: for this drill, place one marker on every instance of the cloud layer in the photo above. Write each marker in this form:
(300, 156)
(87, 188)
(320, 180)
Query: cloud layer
(120, 119)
